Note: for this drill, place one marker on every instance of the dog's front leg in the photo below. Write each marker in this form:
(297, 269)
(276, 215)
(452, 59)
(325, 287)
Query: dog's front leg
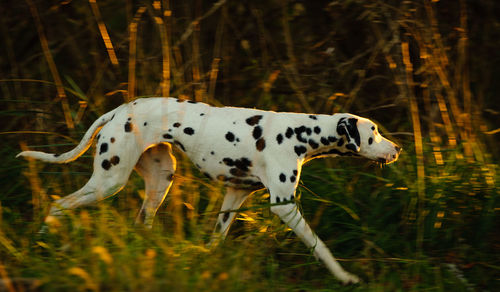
(290, 214)
(233, 199)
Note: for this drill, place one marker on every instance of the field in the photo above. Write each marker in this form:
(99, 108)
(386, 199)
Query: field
(425, 71)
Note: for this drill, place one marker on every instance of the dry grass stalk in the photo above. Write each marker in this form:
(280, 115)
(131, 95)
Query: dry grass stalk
(52, 65)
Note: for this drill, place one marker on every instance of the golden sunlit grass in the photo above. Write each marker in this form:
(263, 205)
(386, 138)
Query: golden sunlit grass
(427, 222)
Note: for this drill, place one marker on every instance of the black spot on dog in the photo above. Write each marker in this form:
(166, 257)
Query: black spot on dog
(145, 123)
(188, 131)
(292, 197)
(212, 153)
(170, 176)
(128, 127)
(248, 181)
(192, 101)
(177, 125)
(340, 142)
(225, 217)
(370, 141)
(260, 144)
(278, 199)
(351, 147)
(112, 117)
(98, 136)
(57, 155)
(180, 100)
(157, 160)
(373, 128)
(202, 114)
(103, 148)
(289, 132)
(332, 139)
(257, 132)
(313, 117)
(300, 150)
(129, 119)
(336, 152)
(228, 161)
(298, 131)
(313, 144)
(230, 136)
(324, 141)
(279, 138)
(207, 175)
(180, 145)
(112, 140)
(294, 172)
(292, 179)
(282, 177)
(106, 164)
(243, 163)
(317, 130)
(258, 185)
(167, 136)
(253, 120)
(308, 131)
(115, 160)
(203, 159)
(135, 102)
(237, 172)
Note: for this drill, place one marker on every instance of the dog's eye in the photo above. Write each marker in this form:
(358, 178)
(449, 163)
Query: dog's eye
(370, 141)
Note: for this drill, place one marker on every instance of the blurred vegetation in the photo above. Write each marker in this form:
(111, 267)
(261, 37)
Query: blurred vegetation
(426, 71)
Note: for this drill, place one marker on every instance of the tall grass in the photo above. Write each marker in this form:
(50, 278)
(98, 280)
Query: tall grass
(427, 222)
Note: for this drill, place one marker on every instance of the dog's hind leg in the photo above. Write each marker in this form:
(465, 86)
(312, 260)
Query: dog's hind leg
(100, 186)
(157, 166)
(233, 200)
(110, 175)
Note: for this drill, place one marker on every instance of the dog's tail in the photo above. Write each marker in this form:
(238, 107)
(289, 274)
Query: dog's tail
(79, 149)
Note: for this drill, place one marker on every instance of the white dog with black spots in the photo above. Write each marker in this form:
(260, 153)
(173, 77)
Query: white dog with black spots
(246, 149)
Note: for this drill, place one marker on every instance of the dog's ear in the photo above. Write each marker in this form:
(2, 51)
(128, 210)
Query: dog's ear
(342, 129)
(353, 147)
(352, 129)
(349, 129)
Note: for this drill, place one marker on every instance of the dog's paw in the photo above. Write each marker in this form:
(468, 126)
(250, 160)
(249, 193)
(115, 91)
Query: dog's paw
(348, 279)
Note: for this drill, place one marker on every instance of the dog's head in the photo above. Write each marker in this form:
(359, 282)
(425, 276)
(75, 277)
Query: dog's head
(362, 138)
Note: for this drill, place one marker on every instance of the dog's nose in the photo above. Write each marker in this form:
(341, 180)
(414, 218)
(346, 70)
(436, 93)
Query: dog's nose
(398, 149)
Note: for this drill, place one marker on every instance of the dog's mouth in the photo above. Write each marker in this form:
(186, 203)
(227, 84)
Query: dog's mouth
(382, 160)
(387, 160)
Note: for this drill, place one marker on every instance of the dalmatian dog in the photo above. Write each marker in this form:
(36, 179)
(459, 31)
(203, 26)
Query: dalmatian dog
(246, 149)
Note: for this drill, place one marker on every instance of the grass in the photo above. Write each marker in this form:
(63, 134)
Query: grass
(369, 221)
(427, 222)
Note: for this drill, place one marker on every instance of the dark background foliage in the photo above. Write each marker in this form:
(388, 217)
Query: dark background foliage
(425, 71)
